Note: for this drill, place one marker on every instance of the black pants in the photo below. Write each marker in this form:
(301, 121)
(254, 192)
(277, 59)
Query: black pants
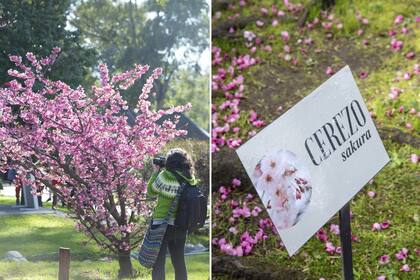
(174, 240)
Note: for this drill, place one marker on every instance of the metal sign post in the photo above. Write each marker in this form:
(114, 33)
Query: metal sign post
(345, 236)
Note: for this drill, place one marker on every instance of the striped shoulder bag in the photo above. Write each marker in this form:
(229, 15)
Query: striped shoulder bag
(152, 241)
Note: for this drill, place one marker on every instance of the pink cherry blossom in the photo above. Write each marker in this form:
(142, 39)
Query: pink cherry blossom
(249, 35)
(407, 76)
(329, 71)
(384, 259)
(259, 23)
(410, 55)
(321, 235)
(363, 75)
(402, 254)
(281, 14)
(285, 36)
(335, 229)
(329, 248)
(405, 268)
(236, 182)
(396, 45)
(327, 25)
(399, 19)
(83, 141)
(376, 227)
(371, 194)
(385, 224)
(416, 68)
(264, 11)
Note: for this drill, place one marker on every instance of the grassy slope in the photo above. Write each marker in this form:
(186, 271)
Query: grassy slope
(38, 238)
(397, 186)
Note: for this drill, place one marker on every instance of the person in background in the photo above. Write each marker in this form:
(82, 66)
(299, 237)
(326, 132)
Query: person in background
(18, 188)
(39, 190)
(165, 186)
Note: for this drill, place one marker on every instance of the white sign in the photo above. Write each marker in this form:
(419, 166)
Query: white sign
(311, 161)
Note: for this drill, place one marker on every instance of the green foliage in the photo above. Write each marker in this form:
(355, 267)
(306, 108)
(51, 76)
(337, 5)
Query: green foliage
(191, 87)
(126, 33)
(38, 26)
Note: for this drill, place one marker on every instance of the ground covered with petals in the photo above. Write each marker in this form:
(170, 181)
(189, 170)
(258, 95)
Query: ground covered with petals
(266, 56)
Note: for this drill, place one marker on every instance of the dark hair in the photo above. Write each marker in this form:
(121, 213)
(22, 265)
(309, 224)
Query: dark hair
(178, 160)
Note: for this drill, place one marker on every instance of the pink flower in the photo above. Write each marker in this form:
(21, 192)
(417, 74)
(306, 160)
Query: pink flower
(402, 254)
(365, 21)
(338, 250)
(407, 76)
(396, 45)
(268, 48)
(405, 268)
(330, 248)
(384, 259)
(259, 23)
(249, 35)
(321, 235)
(275, 22)
(285, 35)
(236, 182)
(382, 277)
(256, 211)
(371, 194)
(409, 125)
(335, 229)
(329, 71)
(401, 109)
(385, 224)
(392, 33)
(399, 19)
(327, 25)
(416, 69)
(233, 230)
(264, 11)
(410, 55)
(376, 227)
(414, 158)
(360, 32)
(363, 75)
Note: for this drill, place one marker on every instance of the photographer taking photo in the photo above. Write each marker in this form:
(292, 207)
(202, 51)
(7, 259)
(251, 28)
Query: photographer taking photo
(165, 184)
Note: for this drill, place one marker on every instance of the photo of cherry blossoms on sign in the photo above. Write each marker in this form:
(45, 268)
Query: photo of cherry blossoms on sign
(284, 185)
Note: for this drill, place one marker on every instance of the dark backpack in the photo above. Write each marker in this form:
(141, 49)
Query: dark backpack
(192, 206)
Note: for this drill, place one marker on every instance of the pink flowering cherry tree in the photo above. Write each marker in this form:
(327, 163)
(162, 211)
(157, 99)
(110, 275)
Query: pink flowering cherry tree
(81, 146)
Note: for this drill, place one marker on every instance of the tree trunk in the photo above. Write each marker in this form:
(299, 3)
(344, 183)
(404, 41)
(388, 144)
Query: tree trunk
(124, 260)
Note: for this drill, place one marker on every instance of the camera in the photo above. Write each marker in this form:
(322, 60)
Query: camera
(159, 161)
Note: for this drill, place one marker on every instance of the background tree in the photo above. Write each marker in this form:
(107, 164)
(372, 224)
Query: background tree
(38, 26)
(170, 34)
(61, 134)
(187, 86)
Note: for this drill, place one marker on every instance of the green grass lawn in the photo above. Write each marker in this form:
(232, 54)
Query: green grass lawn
(38, 238)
